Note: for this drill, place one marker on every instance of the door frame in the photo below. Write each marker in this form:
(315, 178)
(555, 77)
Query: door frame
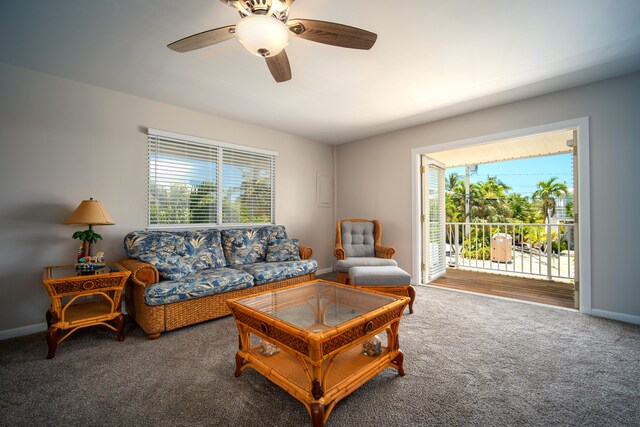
(581, 125)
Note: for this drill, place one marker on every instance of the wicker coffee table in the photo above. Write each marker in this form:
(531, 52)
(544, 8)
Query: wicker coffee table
(320, 328)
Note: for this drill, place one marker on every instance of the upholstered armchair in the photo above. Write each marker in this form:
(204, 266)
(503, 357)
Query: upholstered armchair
(359, 244)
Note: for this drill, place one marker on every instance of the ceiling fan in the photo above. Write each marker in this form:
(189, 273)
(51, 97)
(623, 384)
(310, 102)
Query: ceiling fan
(265, 28)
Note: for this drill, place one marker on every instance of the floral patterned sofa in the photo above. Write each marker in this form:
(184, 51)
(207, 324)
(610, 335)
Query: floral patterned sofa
(179, 278)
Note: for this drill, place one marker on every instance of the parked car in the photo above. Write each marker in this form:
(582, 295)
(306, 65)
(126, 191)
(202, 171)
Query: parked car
(525, 248)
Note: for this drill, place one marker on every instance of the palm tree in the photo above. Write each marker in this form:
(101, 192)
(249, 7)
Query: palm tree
(496, 185)
(489, 200)
(522, 208)
(452, 181)
(455, 202)
(547, 192)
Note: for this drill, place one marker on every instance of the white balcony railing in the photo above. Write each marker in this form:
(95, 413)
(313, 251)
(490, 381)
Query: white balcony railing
(522, 249)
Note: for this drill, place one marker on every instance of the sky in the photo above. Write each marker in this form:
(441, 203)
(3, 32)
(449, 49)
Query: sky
(522, 175)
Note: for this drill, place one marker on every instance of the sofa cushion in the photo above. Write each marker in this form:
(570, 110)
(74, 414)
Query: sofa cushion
(138, 243)
(344, 265)
(171, 267)
(205, 249)
(266, 272)
(176, 254)
(244, 245)
(283, 250)
(167, 251)
(202, 283)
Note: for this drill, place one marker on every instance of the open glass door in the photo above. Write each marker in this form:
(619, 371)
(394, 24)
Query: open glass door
(432, 219)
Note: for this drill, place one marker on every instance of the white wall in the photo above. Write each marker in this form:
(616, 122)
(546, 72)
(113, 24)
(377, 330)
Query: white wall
(374, 177)
(62, 142)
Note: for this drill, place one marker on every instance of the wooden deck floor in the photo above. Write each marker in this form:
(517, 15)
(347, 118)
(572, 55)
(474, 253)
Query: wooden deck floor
(534, 290)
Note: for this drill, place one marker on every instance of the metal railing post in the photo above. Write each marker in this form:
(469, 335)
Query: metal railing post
(455, 247)
(529, 245)
(549, 252)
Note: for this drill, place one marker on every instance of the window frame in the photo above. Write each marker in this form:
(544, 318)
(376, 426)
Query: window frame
(154, 134)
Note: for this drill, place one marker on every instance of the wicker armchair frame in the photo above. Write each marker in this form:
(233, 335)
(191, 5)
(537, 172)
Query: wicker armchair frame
(381, 251)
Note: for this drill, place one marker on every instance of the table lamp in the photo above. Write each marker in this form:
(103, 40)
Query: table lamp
(89, 212)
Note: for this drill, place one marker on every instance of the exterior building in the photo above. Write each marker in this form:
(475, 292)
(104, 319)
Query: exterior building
(564, 208)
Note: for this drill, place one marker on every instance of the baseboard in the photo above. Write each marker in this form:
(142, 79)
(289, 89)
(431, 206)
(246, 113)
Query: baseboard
(31, 329)
(23, 330)
(629, 318)
(324, 271)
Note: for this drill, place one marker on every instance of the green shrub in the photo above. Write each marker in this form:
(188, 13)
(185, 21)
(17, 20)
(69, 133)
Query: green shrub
(554, 247)
(479, 254)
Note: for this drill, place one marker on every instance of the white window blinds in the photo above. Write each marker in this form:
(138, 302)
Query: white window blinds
(199, 182)
(436, 219)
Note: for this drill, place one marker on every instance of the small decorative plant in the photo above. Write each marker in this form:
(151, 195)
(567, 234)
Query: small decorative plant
(88, 237)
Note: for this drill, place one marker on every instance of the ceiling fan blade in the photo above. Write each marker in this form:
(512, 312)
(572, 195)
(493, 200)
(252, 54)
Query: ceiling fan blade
(332, 33)
(233, 3)
(203, 39)
(279, 67)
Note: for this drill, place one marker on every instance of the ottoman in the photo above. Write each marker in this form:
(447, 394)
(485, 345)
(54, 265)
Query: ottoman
(388, 279)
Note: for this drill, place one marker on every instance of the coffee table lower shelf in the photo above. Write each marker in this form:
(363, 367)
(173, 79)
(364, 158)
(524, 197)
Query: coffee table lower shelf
(344, 374)
(287, 371)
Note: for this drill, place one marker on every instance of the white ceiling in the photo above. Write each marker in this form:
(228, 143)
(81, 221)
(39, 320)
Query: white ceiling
(433, 58)
(544, 144)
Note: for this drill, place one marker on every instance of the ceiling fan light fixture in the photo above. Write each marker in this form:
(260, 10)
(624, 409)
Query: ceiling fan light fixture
(262, 35)
(278, 6)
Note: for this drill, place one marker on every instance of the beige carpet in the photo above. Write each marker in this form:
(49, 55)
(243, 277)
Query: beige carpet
(470, 360)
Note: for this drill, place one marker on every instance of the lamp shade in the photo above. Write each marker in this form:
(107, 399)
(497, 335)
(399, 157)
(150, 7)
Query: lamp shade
(262, 35)
(90, 212)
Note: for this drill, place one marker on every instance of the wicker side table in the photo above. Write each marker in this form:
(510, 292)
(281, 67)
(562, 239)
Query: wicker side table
(71, 310)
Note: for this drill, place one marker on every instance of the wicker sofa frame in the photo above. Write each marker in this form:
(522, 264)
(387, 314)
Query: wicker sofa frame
(161, 318)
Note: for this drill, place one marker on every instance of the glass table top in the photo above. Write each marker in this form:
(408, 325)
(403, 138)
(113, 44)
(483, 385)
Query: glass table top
(316, 306)
(70, 271)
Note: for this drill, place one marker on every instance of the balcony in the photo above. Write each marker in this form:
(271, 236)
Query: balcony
(526, 250)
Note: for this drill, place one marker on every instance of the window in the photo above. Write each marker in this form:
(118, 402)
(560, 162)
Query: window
(198, 182)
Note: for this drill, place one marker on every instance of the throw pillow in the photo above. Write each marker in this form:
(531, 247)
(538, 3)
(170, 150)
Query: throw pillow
(283, 250)
(204, 248)
(275, 233)
(244, 245)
